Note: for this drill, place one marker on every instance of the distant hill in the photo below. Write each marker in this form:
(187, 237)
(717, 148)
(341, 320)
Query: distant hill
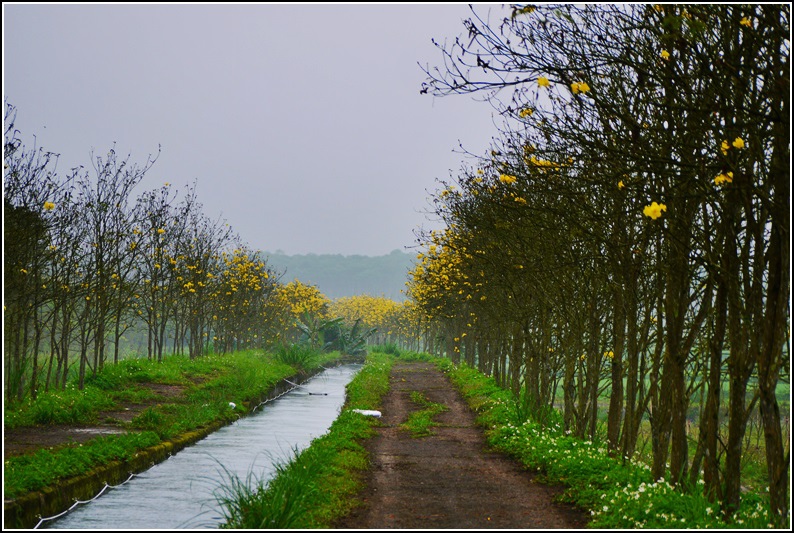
(347, 275)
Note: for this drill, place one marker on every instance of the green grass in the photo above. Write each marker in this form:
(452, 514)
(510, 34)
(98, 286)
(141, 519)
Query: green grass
(210, 384)
(371, 383)
(617, 494)
(27, 473)
(389, 348)
(69, 406)
(299, 356)
(316, 487)
(419, 422)
(417, 356)
(249, 505)
(755, 477)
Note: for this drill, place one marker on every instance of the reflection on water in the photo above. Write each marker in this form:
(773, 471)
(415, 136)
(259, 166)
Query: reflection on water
(179, 492)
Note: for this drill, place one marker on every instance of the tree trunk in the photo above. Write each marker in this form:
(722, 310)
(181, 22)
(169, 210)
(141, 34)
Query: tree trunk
(769, 363)
(615, 413)
(709, 422)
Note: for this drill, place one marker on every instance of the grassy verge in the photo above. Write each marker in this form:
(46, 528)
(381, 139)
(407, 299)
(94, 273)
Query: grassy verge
(617, 494)
(210, 384)
(28, 473)
(317, 486)
(755, 476)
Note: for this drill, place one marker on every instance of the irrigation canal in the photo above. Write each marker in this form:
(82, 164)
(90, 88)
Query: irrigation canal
(179, 493)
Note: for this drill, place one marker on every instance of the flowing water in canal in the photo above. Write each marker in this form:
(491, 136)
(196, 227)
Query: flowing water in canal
(179, 492)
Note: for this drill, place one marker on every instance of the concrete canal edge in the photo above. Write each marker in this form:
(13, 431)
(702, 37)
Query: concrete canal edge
(26, 511)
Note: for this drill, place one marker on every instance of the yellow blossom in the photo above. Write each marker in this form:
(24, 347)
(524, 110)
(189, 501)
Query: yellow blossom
(746, 22)
(542, 162)
(738, 143)
(507, 178)
(579, 87)
(725, 177)
(621, 185)
(526, 112)
(665, 55)
(161, 230)
(49, 206)
(654, 210)
(543, 81)
(526, 10)
(724, 147)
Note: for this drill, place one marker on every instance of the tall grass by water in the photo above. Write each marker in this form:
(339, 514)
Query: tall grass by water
(317, 486)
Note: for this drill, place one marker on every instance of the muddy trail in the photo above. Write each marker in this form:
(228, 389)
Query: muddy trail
(448, 479)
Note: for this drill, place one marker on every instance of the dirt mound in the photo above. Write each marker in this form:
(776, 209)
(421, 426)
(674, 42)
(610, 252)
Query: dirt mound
(447, 479)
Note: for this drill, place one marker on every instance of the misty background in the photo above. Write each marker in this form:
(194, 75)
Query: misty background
(339, 275)
(301, 125)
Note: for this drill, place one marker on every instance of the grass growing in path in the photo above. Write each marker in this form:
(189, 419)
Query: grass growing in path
(317, 486)
(617, 494)
(420, 422)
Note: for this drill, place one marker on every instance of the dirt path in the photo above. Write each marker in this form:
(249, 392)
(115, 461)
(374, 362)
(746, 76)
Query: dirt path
(448, 479)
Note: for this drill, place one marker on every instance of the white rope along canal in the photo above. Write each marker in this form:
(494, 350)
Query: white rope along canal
(81, 502)
(179, 493)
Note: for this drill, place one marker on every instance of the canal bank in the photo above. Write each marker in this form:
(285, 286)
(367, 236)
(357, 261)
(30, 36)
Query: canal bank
(26, 511)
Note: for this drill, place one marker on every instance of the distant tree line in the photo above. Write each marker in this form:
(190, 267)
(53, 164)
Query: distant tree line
(340, 276)
(630, 225)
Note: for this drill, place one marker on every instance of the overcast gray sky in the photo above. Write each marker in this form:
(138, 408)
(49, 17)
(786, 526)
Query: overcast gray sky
(302, 125)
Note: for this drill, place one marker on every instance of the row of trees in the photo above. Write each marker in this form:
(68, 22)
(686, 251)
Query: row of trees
(87, 263)
(631, 224)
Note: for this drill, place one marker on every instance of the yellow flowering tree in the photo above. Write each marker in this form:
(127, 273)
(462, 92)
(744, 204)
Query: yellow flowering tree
(669, 253)
(294, 304)
(376, 312)
(243, 287)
